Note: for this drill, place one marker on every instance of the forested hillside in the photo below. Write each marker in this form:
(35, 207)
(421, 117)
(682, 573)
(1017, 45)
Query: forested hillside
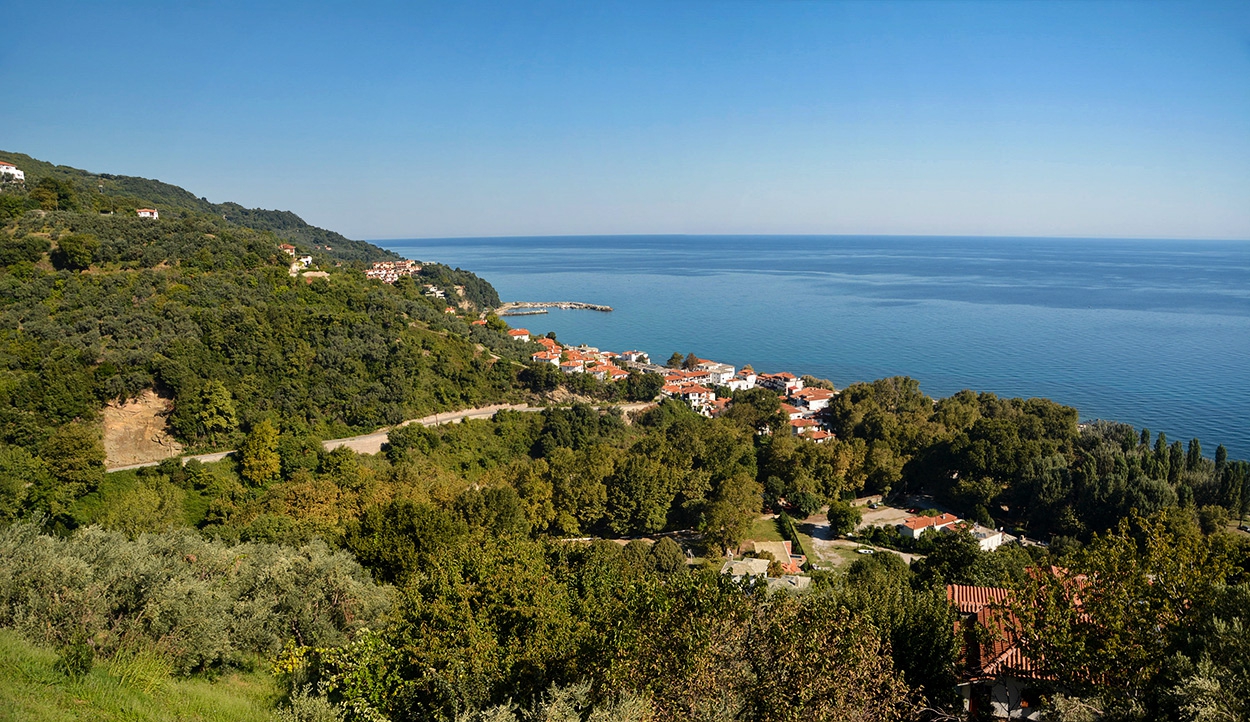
(62, 188)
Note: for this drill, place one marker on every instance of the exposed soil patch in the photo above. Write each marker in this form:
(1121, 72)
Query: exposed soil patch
(135, 432)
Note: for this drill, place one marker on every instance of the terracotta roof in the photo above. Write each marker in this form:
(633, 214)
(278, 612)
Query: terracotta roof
(970, 600)
(921, 522)
(5, 162)
(804, 422)
(813, 393)
(518, 332)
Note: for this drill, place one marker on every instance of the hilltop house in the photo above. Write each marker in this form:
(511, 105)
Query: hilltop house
(519, 334)
(11, 173)
(288, 249)
(148, 213)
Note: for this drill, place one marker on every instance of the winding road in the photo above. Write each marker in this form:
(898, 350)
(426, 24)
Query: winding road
(372, 443)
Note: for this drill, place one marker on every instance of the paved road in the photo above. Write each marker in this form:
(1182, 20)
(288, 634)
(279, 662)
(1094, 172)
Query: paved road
(372, 443)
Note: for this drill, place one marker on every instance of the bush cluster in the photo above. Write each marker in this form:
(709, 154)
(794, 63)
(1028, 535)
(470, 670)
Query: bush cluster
(201, 603)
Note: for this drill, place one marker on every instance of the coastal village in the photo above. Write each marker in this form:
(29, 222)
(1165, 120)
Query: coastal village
(996, 678)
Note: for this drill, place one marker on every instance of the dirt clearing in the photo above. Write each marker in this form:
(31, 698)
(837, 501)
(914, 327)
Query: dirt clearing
(135, 432)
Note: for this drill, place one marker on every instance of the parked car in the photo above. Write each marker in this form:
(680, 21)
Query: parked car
(863, 551)
(873, 505)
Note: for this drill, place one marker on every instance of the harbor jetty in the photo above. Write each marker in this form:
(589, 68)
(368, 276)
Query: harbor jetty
(513, 307)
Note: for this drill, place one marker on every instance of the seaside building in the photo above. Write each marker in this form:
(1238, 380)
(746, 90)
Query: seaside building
(743, 380)
(813, 399)
(519, 334)
(392, 271)
(782, 383)
(11, 173)
(718, 373)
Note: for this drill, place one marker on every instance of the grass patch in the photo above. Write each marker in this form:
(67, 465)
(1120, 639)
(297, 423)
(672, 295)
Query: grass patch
(129, 689)
(764, 529)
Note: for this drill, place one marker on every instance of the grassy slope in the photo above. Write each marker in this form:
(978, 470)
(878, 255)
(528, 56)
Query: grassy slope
(31, 689)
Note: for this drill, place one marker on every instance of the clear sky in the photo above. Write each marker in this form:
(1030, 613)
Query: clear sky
(384, 120)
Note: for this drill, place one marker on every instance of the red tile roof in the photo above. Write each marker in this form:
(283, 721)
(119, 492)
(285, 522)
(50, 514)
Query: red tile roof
(970, 600)
(922, 522)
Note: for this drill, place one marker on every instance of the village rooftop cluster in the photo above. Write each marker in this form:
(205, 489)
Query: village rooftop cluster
(696, 386)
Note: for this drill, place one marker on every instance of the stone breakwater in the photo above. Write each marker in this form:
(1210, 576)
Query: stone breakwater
(565, 305)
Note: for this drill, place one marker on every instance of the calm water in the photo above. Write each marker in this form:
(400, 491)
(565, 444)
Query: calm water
(1153, 333)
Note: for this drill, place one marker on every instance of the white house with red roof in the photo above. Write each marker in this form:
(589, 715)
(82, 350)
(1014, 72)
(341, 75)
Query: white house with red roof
(743, 380)
(914, 527)
(519, 334)
(782, 383)
(801, 426)
(11, 173)
(792, 412)
(636, 356)
(152, 213)
(819, 436)
(813, 399)
(546, 357)
(718, 373)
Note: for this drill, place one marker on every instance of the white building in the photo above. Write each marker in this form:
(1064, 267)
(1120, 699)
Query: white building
(988, 539)
(743, 380)
(782, 383)
(813, 399)
(148, 213)
(15, 175)
(718, 373)
(519, 334)
(637, 357)
(916, 526)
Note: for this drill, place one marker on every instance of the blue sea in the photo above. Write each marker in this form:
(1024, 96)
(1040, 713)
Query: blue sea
(1152, 333)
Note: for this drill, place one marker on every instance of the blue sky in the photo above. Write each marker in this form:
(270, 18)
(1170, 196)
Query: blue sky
(385, 120)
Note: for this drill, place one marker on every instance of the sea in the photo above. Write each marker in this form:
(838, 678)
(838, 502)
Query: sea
(1154, 333)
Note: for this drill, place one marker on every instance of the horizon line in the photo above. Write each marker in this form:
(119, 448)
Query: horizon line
(1207, 239)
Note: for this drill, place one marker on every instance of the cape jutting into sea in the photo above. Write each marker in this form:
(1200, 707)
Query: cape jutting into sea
(1148, 332)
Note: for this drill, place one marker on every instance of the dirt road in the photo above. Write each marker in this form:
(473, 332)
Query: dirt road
(372, 443)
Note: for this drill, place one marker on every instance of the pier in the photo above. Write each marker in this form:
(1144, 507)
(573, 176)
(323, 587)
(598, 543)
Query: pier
(509, 308)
